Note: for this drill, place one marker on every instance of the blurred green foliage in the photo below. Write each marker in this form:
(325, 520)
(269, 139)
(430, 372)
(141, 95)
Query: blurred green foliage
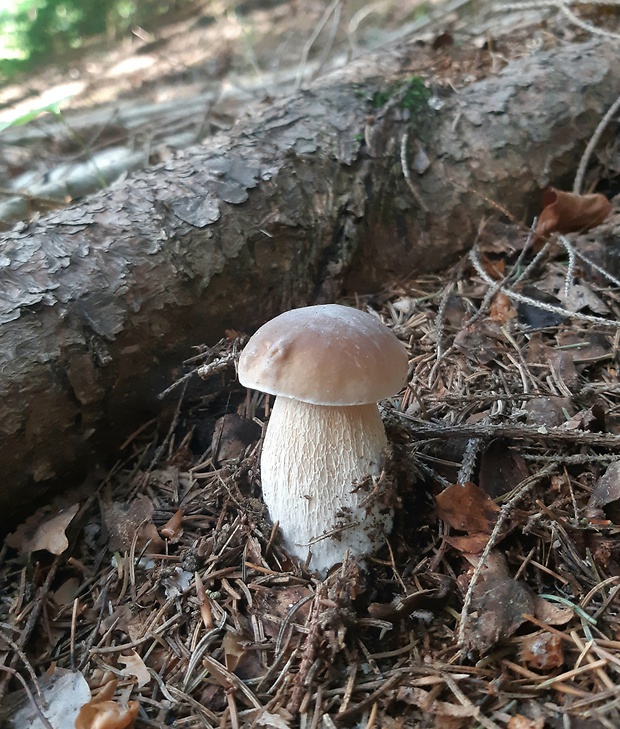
(35, 31)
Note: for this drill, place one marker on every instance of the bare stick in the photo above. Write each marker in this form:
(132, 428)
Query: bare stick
(503, 515)
(594, 140)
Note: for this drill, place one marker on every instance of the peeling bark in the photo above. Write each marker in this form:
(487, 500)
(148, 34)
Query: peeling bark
(99, 302)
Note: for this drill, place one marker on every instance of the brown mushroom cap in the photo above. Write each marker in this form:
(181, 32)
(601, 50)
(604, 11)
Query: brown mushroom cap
(325, 355)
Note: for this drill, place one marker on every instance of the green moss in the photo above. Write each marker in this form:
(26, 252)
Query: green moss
(411, 94)
(416, 94)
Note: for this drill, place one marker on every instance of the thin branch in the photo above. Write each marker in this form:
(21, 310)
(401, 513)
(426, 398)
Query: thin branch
(505, 512)
(594, 140)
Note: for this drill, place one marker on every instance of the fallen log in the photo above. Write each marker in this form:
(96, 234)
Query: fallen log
(306, 198)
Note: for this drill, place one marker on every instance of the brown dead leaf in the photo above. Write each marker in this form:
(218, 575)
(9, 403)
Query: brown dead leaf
(233, 650)
(472, 544)
(66, 593)
(604, 550)
(173, 528)
(120, 619)
(592, 419)
(502, 468)
(495, 267)
(605, 492)
(280, 720)
(107, 715)
(477, 342)
(43, 531)
(550, 411)
(500, 603)
(467, 508)
(135, 666)
(275, 603)
(101, 712)
(552, 613)
(502, 309)
(581, 296)
(123, 520)
(232, 435)
(432, 599)
(585, 348)
(565, 212)
(542, 651)
(518, 721)
(416, 696)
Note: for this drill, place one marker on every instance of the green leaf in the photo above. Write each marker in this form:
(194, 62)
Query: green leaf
(18, 121)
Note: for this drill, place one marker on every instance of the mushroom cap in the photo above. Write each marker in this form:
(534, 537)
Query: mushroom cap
(325, 355)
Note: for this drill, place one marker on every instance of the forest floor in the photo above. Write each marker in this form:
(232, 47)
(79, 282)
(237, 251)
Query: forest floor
(161, 590)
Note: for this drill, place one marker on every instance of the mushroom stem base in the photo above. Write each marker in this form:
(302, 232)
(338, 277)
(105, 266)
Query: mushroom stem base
(315, 466)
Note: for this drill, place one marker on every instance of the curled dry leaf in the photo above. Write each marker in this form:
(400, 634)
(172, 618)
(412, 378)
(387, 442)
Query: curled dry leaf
(43, 531)
(102, 712)
(565, 212)
(173, 528)
(107, 715)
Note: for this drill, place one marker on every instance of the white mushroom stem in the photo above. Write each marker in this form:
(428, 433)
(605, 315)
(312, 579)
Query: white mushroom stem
(313, 457)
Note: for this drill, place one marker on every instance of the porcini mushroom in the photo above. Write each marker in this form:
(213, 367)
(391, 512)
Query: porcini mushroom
(328, 367)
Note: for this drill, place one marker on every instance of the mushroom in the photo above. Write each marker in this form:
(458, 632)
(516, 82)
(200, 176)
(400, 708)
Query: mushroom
(328, 367)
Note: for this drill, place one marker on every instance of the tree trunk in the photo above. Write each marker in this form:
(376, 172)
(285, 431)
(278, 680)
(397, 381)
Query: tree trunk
(306, 198)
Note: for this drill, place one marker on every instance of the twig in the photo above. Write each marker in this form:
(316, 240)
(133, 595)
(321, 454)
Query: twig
(311, 41)
(594, 140)
(384, 688)
(407, 174)
(474, 257)
(464, 701)
(540, 434)
(164, 444)
(12, 672)
(594, 266)
(505, 512)
(585, 26)
(440, 319)
(309, 652)
(32, 619)
(31, 672)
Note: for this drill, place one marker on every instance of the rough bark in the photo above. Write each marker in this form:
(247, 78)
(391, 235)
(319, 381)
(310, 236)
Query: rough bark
(100, 302)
